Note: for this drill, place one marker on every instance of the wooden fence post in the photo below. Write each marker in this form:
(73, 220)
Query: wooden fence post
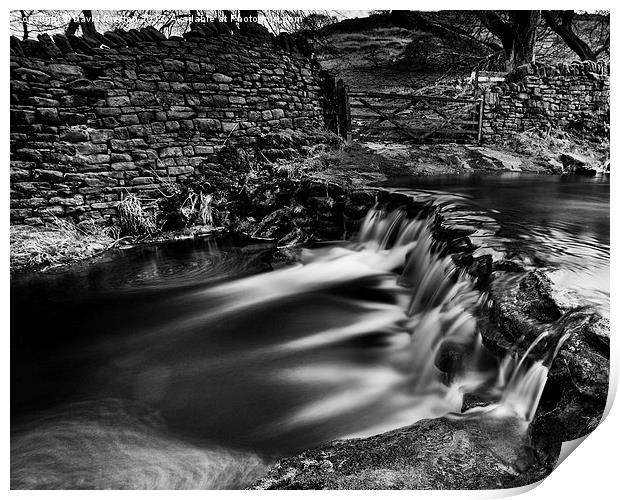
(480, 117)
(330, 103)
(344, 111)
(347, 109)
(340, 110)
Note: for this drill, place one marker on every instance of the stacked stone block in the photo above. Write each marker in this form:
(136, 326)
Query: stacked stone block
(93, 119)
(542, 97)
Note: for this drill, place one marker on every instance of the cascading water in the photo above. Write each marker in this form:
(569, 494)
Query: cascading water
(358, 339)
(442, 308)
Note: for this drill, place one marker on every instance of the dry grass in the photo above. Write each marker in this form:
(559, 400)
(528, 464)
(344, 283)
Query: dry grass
(205, 213)
(133, 219)
(198, 207)
(58, 242)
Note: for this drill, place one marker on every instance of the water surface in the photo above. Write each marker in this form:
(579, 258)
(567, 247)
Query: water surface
(557, 222)
(193, 364)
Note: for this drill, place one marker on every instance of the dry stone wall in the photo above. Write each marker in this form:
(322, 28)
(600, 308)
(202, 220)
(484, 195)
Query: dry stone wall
(95, 117)
(541, 97)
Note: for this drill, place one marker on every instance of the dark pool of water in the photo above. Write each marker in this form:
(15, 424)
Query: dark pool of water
(58, 317)
(272, 363)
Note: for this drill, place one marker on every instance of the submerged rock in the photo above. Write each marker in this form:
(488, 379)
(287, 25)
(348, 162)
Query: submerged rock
(482, 396)
(456, 452)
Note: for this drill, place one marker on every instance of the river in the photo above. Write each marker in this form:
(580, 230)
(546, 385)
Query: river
(195, 364)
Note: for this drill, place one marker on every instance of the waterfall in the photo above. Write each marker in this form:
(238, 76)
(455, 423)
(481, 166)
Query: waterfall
(442, 309)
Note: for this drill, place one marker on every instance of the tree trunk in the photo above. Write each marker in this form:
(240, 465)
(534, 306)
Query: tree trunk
(72, 28)
(24, 23)
(517, 34)
(88, 25)
(525, 26)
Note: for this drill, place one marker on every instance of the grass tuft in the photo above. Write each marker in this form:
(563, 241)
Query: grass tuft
(205, 213)
(58, 242)
(133, 219)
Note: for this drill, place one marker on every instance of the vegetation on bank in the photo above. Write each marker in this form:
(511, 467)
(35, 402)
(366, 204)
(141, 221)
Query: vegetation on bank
(243, 194)
(233, 195)
(62, 241)
(58, 242)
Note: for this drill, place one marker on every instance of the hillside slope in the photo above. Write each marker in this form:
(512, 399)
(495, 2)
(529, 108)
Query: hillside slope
(378, 53)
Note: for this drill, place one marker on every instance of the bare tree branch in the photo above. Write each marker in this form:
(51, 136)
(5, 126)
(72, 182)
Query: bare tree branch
(562, 23)
(414, 19)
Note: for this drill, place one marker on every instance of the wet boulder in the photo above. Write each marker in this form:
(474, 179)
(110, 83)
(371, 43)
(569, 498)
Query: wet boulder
(455, 452)
(575, 395)
(510, 321)
(597, 333)
(275, 225)
(585, 361)
(358, 203)
(576, 391)
(483, 396)
(522, 304)
(535, 295)
(281, 222)
(481, 268)
(577, 164)
(294, 238)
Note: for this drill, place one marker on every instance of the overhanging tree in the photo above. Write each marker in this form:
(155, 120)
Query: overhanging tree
(562, 22)
(516, 30)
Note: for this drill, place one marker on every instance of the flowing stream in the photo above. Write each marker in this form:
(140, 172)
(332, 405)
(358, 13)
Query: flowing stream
(195, 365)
